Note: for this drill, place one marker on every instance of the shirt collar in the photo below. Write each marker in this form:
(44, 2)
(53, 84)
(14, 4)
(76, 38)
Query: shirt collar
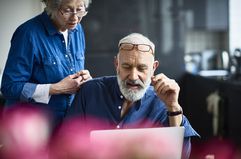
(148, 93)
(117, 88)
(49, 26)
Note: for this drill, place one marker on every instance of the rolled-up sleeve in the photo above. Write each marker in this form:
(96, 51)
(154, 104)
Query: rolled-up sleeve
(189, 131)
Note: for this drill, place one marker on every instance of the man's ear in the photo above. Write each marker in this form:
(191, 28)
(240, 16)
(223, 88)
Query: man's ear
(116, 62)
(155, 65)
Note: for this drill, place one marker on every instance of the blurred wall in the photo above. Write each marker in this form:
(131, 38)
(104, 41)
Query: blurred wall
(12, 14)
(234, 25)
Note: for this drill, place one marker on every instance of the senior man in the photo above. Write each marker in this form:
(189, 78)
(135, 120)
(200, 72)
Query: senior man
(135, 97)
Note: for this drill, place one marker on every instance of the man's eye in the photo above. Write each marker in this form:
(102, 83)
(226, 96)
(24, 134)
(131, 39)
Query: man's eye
(126, 67)
(142, 68)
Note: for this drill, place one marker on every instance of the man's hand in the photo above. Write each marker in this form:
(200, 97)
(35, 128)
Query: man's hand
(167, 90)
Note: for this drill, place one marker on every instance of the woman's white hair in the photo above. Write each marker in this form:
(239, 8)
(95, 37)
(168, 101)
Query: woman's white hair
(137, 38)
(52, 5)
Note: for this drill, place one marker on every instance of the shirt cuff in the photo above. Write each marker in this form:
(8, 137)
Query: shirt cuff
(41, 94)
(27, 92)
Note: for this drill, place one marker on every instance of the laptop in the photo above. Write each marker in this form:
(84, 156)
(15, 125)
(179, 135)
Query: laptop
(154, 143)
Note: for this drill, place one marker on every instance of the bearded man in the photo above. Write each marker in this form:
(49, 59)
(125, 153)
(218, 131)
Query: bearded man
(135, 97)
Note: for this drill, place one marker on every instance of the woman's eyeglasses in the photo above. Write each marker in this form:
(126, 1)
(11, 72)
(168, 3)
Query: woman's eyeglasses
(68, 13)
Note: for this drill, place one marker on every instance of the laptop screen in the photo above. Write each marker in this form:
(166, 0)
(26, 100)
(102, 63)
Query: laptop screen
(151, 143)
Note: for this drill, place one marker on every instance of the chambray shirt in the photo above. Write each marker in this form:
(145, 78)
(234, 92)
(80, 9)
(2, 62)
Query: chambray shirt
(38, 55)
(101, 99)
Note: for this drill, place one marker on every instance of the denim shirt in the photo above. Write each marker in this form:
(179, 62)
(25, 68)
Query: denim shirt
(38, 55)
(101, 98)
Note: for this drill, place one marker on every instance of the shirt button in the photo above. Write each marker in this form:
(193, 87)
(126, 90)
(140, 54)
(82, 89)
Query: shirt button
(118, 126)
(71, 69)
(66, 55)
(63, 41)
(119, 107)
(54, 63)
(121, 96)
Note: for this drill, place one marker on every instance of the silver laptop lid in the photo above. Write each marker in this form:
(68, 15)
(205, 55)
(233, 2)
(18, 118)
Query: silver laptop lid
(154, 143)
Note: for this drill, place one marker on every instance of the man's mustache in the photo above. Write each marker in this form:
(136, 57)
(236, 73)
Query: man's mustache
(135, 82)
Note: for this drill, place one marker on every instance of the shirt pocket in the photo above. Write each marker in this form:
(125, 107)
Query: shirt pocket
(51, 61)
(52, 66)
(80, 60)
(79, 56)
(50, 70)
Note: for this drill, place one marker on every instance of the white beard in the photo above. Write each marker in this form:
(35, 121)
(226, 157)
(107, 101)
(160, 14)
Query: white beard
(133, 95)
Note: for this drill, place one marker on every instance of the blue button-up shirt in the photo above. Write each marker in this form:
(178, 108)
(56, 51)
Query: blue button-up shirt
(38, 55)
(101, 98)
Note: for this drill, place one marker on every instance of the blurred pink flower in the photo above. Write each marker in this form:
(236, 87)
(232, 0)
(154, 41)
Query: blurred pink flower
(216, 148)
(25, 133)
(71, 141)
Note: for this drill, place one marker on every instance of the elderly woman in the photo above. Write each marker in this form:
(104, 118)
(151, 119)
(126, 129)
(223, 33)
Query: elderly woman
(45, 65)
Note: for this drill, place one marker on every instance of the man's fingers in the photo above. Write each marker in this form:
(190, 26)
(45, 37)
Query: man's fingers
(163, 84)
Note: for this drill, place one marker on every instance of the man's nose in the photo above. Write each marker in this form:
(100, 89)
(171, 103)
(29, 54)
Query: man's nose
(134, 74)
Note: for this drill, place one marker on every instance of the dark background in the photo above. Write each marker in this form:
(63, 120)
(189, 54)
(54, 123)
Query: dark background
(110, 20)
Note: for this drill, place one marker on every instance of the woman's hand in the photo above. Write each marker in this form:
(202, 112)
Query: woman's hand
(70, 84)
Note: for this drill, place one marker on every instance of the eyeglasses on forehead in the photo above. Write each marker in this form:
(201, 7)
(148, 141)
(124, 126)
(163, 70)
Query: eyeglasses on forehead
(139, 47)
